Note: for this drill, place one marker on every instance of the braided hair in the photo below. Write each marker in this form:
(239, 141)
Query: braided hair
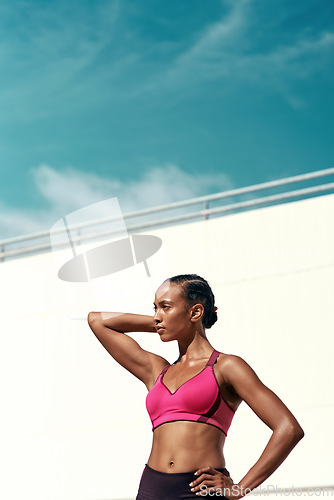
(196, 289)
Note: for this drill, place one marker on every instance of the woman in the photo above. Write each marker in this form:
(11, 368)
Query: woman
(192, 402)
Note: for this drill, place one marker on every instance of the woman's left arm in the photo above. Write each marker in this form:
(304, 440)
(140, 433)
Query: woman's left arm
(273, 412)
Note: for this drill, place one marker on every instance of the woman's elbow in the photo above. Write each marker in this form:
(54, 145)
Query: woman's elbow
(294, 431)
(92, 318)
(299, 433)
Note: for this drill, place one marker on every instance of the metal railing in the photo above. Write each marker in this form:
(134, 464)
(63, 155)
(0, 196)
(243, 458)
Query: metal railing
(40, 242)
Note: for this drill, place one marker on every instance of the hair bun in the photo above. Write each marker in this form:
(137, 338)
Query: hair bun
(212, 320)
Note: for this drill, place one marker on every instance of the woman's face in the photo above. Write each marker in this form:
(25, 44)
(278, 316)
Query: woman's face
(171, 316)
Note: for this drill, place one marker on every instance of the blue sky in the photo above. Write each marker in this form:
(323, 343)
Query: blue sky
(154, 101)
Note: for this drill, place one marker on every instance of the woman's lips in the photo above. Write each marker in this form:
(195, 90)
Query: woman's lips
(160, 330)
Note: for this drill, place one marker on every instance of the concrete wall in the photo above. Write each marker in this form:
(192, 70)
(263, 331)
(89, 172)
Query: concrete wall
(74, 424)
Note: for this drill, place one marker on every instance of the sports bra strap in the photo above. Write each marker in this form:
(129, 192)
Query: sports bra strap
(165, 369)
(213, 358)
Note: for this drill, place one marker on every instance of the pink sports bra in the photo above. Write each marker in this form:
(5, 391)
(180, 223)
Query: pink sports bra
(196, 400)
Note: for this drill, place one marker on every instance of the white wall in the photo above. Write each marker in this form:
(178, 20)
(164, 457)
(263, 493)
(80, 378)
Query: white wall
(74, 424)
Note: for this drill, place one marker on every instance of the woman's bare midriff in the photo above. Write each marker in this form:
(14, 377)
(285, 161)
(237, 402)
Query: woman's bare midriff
(184, 446)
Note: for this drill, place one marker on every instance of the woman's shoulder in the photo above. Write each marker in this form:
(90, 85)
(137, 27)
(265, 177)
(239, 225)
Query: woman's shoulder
(232, 364)
(225, 359)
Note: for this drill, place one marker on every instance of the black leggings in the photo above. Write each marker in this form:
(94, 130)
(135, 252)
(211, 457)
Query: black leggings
(156, 485)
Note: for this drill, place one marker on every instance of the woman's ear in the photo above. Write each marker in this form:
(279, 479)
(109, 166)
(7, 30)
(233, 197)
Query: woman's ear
(196, 312)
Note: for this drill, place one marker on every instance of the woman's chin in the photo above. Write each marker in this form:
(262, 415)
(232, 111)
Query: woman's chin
(165, 339)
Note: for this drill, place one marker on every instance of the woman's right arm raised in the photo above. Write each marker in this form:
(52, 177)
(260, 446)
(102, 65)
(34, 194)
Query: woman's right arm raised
(110, 328)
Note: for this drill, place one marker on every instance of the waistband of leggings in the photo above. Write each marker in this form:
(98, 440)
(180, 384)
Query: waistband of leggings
(179, 474)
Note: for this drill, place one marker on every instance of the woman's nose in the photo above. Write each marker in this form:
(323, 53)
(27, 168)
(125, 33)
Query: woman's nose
(156, 315)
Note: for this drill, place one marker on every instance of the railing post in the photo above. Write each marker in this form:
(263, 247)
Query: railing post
(206, 207)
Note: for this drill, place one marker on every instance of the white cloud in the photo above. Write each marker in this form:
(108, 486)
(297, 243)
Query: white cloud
(217, 37)
(68, 190)
(14, 222)
(204, 59)
(281, 67)
(292, 59)
(222, 52)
